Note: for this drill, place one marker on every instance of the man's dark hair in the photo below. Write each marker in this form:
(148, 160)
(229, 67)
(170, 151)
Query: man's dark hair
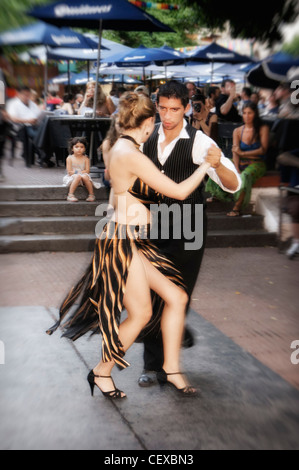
(174, 89)
(199, 97)
(68, 97)
(212, 90)
(23, 88)
(247, 91)
(225, 81)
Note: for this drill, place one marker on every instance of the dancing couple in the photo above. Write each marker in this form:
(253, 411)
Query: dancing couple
(128, 270)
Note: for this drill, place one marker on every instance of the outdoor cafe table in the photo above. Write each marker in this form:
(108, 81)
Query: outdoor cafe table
(55, 132)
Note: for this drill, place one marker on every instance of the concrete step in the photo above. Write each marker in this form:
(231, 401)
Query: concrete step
(241, 238)
(220, 221)
(48, 208)
(47, 225)
(46, 193)
(85, 242)
(219, 206)
(36, 243)
(87, 224)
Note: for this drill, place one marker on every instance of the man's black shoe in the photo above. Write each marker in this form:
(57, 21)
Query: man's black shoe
(147, 378)
(188, 340)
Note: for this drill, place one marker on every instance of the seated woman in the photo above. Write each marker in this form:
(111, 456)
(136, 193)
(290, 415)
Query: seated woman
(250, 144)
(203, 119)
(104, 106)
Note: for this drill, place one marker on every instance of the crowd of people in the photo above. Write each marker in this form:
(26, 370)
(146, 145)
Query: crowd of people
(207, 110)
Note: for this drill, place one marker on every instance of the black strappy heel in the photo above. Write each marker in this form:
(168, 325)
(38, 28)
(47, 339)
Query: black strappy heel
(114, 394)
(187, 391)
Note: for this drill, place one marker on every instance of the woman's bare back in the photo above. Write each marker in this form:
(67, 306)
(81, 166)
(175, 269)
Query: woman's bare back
(127, 209)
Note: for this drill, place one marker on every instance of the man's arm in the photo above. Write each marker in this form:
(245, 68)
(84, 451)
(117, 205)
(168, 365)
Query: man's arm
(225, 174)
(228, 178)
(227, 106)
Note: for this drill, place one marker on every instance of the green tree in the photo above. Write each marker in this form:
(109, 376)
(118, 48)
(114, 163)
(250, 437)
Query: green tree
(13, 13)
(181, 21)
(292, 47)
(255, 19)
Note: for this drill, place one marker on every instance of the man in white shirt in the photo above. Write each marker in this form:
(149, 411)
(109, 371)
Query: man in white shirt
(177, 148)
(25, 115)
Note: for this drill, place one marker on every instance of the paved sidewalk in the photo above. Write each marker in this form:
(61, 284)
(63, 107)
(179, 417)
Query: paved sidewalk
(244, 317)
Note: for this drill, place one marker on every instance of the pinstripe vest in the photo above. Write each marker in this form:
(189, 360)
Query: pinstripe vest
(179, 165)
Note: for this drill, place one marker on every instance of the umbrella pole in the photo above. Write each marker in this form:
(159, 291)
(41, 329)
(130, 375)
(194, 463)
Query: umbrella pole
(46, 79)
(68, 76)
(98, 69)
(96, 89)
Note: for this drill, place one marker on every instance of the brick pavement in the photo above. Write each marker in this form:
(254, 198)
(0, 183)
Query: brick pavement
(16, 173)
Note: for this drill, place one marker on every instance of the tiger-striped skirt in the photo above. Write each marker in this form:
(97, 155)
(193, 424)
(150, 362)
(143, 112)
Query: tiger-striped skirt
(102, 287)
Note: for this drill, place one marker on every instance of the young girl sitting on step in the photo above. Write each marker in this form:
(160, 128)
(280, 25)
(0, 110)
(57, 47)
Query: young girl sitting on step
(78, 167)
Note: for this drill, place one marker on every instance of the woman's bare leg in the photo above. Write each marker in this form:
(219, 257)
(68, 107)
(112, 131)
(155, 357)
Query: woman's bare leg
(143, 277)
(137, 301)
(172, 322)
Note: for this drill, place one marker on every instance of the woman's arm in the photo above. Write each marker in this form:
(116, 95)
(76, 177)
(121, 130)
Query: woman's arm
(110, 105)
(105, 153)
(236, 148)
(142, 167)
(207, 127)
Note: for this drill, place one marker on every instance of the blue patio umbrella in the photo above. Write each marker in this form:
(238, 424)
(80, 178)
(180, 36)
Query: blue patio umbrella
(117, 15)
(216, 53)
(43, 33)
(73, 78)
(143, 56)
(83, 77)
(270, 72)
(47, 35)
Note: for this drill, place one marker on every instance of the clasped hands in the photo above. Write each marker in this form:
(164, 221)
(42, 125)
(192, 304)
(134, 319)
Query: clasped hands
(213, 156)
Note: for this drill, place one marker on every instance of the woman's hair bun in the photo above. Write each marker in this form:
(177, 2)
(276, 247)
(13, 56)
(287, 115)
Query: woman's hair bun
(134, 109)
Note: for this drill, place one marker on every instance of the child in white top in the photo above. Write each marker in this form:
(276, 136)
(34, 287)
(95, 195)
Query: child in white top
(78, 167)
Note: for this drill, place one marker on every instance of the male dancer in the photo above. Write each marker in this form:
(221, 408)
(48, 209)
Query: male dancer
(177, 149)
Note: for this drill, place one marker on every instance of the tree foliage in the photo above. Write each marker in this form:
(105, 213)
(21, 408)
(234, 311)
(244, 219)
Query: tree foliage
(255, 20)
(252, 20)
(292, 47)
(181, 21)
(13, 13)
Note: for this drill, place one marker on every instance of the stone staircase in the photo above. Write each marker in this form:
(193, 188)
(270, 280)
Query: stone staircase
(38, 218)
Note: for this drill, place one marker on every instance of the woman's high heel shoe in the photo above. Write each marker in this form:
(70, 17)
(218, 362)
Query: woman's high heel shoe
(187, 391)
(115, 394)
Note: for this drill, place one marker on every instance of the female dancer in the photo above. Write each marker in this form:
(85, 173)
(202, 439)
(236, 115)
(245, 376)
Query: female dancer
(250, 144)
(127, 266)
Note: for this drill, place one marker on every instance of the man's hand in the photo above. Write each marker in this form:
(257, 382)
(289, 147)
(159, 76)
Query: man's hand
(213, 156)
(232, 90)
